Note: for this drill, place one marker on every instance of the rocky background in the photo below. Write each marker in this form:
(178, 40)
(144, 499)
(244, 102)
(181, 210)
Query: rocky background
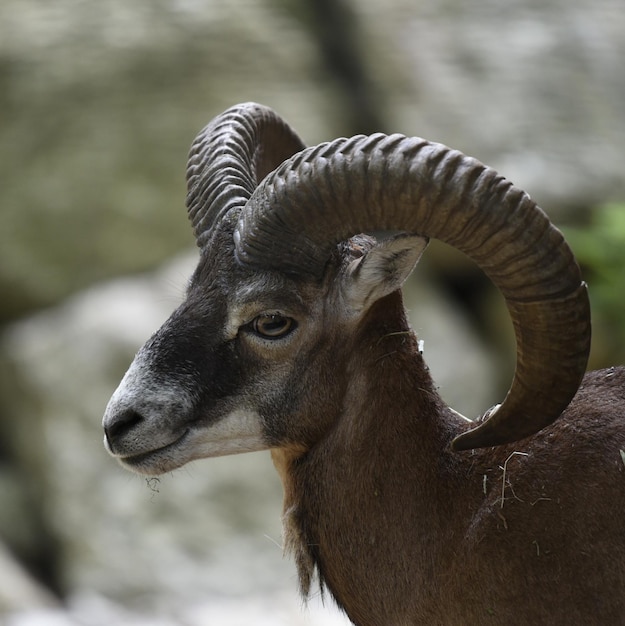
(99, 102)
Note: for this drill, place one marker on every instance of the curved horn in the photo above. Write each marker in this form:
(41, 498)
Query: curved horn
(333, 191)
(228, 159)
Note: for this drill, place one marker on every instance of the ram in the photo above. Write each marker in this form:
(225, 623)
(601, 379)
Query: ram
(293, 338)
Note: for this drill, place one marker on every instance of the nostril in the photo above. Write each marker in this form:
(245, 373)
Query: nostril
(120, 424)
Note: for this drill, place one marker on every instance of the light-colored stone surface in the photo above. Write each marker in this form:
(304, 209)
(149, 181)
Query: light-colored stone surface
(18, 591)
(101, 101)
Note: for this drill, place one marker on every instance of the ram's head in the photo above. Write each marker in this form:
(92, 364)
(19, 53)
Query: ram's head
(256, 355)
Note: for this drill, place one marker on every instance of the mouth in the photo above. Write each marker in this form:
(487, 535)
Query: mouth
(158, 461)
(234, 433)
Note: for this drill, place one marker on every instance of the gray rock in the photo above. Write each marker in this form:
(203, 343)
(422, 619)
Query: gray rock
(18, 590)
(534, 89)
(100, 106)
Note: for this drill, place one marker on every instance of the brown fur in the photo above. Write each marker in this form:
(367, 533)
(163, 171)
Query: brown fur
(399, 528)
(402, 530)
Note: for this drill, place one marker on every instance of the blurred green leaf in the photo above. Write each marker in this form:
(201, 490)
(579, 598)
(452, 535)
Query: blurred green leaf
(600, 249)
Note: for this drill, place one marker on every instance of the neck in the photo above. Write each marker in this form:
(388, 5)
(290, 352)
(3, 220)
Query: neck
(351, 500)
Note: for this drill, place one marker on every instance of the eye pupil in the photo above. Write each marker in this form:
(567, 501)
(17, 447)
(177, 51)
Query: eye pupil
(272, 326)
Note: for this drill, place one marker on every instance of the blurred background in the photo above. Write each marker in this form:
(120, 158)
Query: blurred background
(99, 102)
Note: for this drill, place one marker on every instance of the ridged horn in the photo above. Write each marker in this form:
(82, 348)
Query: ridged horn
(228, 159)
(333, 191)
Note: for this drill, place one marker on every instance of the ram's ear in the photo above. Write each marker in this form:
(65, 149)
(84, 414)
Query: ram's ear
(381, 270)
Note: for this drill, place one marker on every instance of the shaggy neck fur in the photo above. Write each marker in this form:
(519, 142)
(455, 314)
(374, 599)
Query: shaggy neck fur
(342, 495)
(403, 531)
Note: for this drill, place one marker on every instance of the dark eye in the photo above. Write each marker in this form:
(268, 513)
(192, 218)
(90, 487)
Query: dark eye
(273, 326)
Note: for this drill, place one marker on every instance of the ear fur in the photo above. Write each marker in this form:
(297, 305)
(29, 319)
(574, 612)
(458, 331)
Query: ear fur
(381, 270)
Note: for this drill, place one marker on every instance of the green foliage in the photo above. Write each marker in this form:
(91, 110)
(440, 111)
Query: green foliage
(600, 249)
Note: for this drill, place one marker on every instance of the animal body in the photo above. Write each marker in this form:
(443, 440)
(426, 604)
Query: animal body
(293, 338)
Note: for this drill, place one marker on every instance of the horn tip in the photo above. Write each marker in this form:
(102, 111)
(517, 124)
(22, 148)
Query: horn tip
(482, 436)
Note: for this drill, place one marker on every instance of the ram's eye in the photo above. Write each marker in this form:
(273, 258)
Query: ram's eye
(272, 326)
